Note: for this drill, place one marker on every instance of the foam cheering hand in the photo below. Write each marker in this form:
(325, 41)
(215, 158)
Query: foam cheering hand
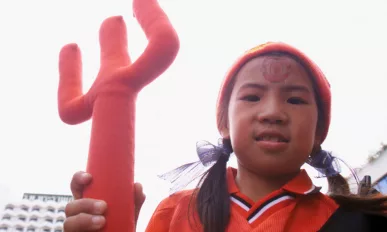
(111, 104)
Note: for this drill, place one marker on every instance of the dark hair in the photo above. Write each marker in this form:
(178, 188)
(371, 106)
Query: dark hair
(372, 202)
(212, 197)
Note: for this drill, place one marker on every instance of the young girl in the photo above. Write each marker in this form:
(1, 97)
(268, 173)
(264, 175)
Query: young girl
(273, 113)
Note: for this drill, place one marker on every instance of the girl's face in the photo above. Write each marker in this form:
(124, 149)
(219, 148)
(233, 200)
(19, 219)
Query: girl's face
(272, 116)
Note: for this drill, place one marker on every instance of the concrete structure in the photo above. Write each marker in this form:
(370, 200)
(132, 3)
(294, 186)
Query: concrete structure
(35, 213)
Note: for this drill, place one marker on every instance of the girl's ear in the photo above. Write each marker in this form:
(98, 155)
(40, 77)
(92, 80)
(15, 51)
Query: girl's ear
(225, 132)
(317, 141)
(315, 150)
(318, 137)
(317, 144)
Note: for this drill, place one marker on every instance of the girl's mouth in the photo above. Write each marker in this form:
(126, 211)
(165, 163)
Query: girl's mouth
(272, 138)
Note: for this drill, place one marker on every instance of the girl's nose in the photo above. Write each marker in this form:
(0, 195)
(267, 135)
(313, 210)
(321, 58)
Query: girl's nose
(272, 112)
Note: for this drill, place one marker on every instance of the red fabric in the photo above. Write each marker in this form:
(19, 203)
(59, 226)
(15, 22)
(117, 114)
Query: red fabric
(305, 211)
(323, 87)
(111, 104)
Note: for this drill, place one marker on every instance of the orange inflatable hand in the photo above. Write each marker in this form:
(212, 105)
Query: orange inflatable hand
(111, 104)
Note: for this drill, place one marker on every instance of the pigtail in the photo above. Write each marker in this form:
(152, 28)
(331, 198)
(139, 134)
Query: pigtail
(338, 188)
(338, 185)
(212, 197)
(365, 200)
(368, 202)
(371, 204)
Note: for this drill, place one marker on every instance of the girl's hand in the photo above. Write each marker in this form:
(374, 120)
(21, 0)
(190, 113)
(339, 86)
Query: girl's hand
(85, 214)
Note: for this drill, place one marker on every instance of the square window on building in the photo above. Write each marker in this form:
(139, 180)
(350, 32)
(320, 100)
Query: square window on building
(25, 208)
(4, 229)
(7, 217)
(60, 220)
(33, 219)
(58, 230)
(46, 230)
(49, 220)
(19, 229)
(36, 209)
(31, 230)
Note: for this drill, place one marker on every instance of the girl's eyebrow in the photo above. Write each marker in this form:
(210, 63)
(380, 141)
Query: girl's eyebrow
(286, 88)
(254, 86)
(295, 88)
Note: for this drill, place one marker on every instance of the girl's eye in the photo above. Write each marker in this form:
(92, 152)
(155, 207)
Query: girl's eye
(252, 98)
(296, 101)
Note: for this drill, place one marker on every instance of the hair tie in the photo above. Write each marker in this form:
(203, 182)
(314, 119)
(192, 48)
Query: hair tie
(208, 154)
(326, 164)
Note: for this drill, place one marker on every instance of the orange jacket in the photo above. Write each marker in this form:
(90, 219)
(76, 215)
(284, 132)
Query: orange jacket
(298, 206)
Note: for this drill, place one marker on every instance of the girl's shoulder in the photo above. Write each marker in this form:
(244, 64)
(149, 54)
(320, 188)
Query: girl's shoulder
(170, 209)
(177, 199)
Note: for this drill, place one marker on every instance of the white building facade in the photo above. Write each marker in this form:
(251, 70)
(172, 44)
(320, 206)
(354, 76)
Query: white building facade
(377, 169)
(35, 213)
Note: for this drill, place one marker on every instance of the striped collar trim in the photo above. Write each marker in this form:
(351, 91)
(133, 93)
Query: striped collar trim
(300, 185)
(254, 215)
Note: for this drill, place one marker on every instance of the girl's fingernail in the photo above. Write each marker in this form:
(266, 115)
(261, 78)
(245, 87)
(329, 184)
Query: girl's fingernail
(97, 220)
(99, 206)
(85, 176)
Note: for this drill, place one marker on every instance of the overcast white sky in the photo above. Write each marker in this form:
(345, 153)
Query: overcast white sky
(39, 153)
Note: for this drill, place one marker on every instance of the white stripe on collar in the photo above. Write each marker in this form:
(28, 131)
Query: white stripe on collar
(267, 205)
